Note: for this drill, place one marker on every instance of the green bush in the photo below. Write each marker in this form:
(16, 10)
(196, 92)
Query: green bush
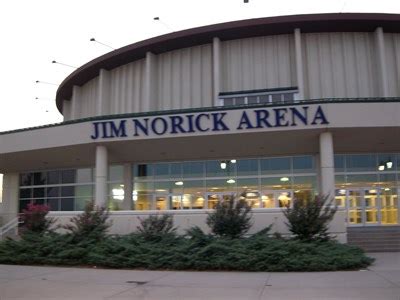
(156, 227)
(308, 219)
(230, 218)
(91, 224)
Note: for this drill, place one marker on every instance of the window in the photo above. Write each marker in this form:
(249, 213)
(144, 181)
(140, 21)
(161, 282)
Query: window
(272, 96)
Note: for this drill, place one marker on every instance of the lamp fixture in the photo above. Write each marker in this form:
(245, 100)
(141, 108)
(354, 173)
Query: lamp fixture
(389, 164)
(94, 40)
(223, 165)
(231, 181)
(381, 166)
(60, 63)
(233, 161)
(179, 183)
(284, 179)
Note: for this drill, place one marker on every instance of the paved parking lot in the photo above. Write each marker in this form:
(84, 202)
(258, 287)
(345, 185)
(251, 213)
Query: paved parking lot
(381, 281)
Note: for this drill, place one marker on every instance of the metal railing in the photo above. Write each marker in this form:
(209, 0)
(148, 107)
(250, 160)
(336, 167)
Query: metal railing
(9, 226)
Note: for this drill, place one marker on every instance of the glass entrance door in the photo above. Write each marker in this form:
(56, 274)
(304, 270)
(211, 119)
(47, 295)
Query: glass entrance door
(364, 206)
(389, 206)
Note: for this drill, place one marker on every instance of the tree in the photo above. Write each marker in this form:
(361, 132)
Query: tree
(309, 219)
(230, 218)
(34, 218)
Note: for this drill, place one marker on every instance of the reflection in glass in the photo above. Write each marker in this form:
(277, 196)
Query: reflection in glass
(275, 165)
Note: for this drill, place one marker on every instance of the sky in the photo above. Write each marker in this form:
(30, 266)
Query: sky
(34, 33)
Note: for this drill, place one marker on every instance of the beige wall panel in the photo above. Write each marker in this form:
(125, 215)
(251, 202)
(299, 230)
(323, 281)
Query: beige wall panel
(127, 90)
(185, 78)
(86, 102)
(339, 65)
(258, 63)
(392, 47)
(66, 110)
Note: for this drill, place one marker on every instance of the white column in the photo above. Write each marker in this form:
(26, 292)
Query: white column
(128, 187)
(66, 112)
(149, 101)
(104, 91)
(327, 170)
(299, 63)
(380, 47)
(101, 176)
(10, 196)
(216, 69)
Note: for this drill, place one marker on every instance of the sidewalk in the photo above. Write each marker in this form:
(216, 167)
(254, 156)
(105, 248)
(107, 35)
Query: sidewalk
(381, 281)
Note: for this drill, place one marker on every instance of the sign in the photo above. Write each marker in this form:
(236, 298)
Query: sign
(230, 121)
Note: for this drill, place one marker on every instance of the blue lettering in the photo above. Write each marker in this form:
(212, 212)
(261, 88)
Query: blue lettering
(244, 120)
(218, 122)
(96, 131)
(319, 115)
(176, 124)
(190, 122)
(262, 118)
(119, 131)
(163, 123)
(301, 117)
(105, 131)
(280, 116)
(197, 122)
(143, 127)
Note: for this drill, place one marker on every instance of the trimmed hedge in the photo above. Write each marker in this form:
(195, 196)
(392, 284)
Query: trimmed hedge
(257, 253)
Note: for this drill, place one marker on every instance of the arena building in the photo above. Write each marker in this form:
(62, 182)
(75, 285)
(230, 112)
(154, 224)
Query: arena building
(278, 108)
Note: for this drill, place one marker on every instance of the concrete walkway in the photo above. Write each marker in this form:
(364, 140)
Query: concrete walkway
(381, 281)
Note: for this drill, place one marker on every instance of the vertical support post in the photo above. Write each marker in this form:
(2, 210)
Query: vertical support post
(299, 63)
(327, 170)
(128, 187)
(10, 196)
(380, 45)
(103, 96)
(216, 69)
(101, 176)
(74, 102)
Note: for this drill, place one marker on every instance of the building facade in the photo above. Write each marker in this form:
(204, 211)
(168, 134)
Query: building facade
(275, 108)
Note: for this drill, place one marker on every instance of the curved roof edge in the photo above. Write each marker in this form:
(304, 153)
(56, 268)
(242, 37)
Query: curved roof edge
(342, 22)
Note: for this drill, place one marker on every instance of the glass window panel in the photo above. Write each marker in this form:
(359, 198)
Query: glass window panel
(275, 165)
(194, 186)
(116, 191)
(387, 180)
(264, 99)
(228, 101)
(252, 99)
(239, 100)
(26, 179)
(268, 200)
(80, 203)
(116, 173)
(39, 201)
(161, 202)
(244, 184)
(193, 169)
(53, 192)
(340, 180)
(67, 191)
(303, 164)
(84, 175)
(284, 198)
(176, 170)
(25, 193)
(276, 98)
(304, 182)
(54, 204)
(144, 187)
(68, 176)
(339, 163)
(362, 180)
(276, 183)
(161, 170)
(361, 162)
(197, 201)
(175, 202)
(288, 97)
(53, 177)
(23, 204)
(67, 204)
(169, 186)
(84, 191)
(303, 195)
(247, 167)
(340, 197)
(219, 185)
(115, 204)
(39, 178)
(214, 168)
(143, 202)
(143, 171)
(38, 192)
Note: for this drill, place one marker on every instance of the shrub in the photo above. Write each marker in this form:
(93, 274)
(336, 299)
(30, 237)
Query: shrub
(35, 220)
(230, 219)
(156, 226)
(308, 220)
(91, 224)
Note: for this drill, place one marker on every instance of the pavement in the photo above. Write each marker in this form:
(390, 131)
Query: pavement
(380, 281)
